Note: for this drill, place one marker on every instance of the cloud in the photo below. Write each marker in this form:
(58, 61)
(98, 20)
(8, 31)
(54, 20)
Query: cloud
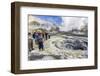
(70, 23)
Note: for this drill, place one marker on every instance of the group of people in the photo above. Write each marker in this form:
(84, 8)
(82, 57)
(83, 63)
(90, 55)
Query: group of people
(38, 38)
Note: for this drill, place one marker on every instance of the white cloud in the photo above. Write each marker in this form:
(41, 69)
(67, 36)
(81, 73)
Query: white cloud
(73, 22)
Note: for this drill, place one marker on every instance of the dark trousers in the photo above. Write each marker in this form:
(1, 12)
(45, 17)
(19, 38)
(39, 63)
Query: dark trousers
(41, 46)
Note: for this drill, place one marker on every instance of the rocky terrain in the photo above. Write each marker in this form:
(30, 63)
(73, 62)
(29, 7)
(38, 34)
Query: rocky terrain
(62, 47)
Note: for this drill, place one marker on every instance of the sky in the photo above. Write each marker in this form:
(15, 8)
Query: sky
(74, 23)
(65, 23)
(57, 20)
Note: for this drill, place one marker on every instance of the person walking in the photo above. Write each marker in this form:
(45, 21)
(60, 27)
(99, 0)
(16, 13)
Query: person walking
(46, 35)
(36, 37)
(49, 35)
(30, 42)
(40, 43)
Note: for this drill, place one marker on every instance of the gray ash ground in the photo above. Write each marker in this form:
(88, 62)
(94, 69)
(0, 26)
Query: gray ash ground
(62, 47)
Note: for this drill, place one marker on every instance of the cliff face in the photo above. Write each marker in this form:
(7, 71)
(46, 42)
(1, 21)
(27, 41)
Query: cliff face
(37, 23)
